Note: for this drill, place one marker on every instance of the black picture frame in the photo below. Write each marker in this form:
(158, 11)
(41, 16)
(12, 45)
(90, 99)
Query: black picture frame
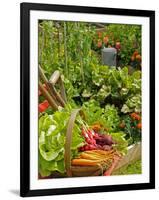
(25, 9)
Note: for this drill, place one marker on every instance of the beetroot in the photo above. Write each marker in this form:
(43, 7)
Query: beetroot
(104, 140)
(96, 141)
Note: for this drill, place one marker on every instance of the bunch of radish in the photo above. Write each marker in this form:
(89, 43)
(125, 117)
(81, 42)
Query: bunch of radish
(96, 141)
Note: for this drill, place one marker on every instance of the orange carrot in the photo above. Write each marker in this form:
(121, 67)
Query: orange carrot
(84, 162)
(89, 156)
(103, 152)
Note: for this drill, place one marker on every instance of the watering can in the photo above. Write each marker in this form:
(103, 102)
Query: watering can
(109, 56)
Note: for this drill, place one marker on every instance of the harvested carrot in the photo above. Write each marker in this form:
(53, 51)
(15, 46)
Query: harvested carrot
(95, 156)
(84, 162)
(89, 156)
(103, 152)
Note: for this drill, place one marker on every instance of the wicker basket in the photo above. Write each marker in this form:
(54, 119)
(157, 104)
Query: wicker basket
(79, 171)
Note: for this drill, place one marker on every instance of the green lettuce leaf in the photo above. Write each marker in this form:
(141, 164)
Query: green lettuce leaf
(52, 135)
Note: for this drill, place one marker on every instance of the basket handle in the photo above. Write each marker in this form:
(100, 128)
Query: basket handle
(68, 142)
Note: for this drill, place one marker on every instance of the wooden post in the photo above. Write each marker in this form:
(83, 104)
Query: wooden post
(53, 80)
(48, 96)
(44, 78)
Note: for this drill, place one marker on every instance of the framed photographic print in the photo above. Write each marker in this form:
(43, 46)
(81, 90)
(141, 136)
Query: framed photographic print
(87, 99)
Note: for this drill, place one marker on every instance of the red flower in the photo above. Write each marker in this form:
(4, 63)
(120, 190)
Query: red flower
(43, 106)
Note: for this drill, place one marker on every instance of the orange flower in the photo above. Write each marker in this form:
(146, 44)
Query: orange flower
(122, 125)
(135, 116)
(132, 58)
(139, 126)
(99, 34)
(138, 58)
(105, 40)
(99, 44)
(132, 115)
(135, 53)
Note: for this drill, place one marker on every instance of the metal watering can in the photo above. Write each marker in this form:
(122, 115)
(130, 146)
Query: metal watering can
(109, 56)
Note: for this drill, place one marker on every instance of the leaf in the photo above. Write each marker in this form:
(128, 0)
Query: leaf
(107, 116)
(52, 135)
(132, 104)
(86, 93)
(121, 143)
(104, 92)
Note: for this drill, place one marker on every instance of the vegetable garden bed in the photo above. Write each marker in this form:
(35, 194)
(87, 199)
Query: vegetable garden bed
(89, 113)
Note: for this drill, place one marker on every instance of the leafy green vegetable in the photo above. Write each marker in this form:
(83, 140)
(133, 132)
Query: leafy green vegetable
(116, 86)
(121, 143)
(93, 112)
(52, 130)
(111, 117)
(107, 95)
(132, 104)
(108, 117)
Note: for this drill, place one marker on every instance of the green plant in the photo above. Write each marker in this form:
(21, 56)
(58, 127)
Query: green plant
(131, 125)
(125, 38)
(108, 117)
(117, 87)
(52, 131)
(133, 168)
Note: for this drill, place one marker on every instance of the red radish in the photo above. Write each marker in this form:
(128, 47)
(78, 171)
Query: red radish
(81, 148)
(88, 141)
(96, 140)
(86, 148)
(96, 136)
(92, 147)
(90, 134)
